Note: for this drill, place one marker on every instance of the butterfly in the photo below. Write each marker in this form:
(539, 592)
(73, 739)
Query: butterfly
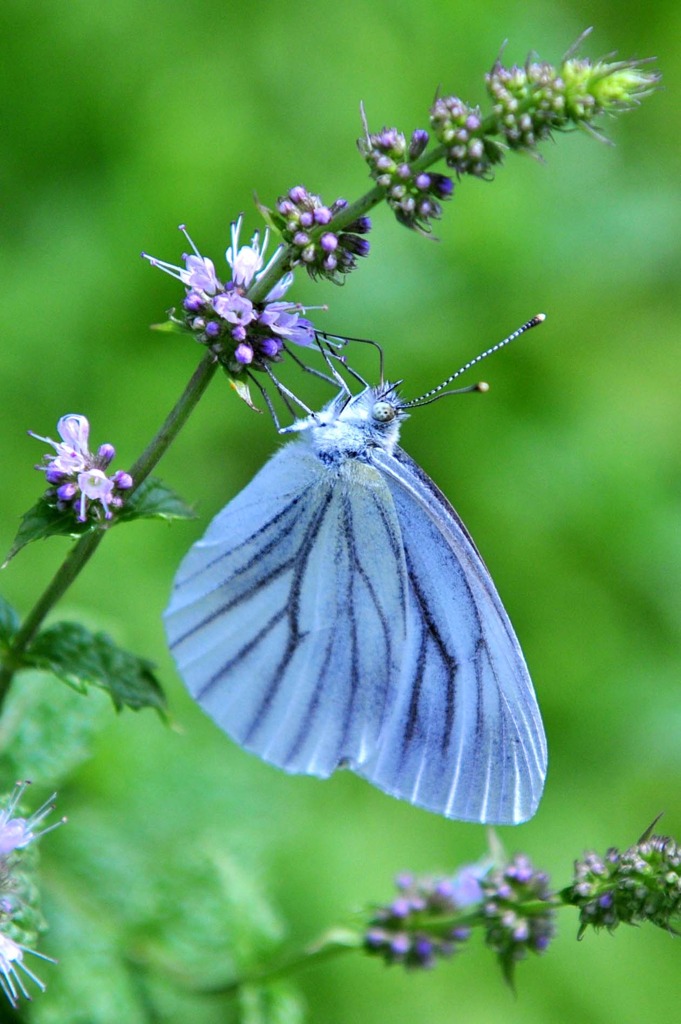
(338, 613)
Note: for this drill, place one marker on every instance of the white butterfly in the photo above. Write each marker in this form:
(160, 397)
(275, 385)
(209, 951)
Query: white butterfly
(337, 613)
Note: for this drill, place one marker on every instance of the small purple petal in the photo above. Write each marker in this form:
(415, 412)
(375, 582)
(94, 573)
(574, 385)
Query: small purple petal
(243, 354)
(234, 308)
(298, 194)
(400, 908)
(200, 275)
(418, 142)
(359, 246)
(67, 491)
(400, 944)
(361, 226)
(106, 454)
(122, 480)
(74, 430)
(423, 949)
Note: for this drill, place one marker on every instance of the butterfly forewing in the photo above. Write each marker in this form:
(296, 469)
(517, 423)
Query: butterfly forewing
(464, 737)
(288, 619)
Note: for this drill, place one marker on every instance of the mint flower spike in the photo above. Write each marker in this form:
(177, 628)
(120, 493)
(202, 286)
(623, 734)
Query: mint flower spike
(11, 958)
(19, 910)
(640, 884)
(431, 918)
(240, 333)
(77, 475)
(532, 101)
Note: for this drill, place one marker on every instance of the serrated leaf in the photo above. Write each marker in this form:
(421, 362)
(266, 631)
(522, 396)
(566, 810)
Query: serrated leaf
(45, 520)
(154, 500)
(47, 730)
(9, 621)
(243, 391)
(81, 658)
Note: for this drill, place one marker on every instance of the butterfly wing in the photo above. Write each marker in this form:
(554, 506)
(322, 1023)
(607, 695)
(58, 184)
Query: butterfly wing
(464, 735)
(287, 619)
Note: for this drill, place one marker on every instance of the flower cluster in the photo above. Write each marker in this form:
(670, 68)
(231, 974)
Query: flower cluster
(532, 101)
(20, 918)
(529, 103)
(220, 314)
(306, 224)
(421, 925)
(519, 912)
(641, 884)
(77, 475)
(458, 127)
(412, 194)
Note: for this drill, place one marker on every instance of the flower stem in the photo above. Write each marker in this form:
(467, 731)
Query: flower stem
(83, 550)
(336, 942)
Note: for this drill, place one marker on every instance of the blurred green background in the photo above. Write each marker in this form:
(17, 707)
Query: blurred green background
(122, 120)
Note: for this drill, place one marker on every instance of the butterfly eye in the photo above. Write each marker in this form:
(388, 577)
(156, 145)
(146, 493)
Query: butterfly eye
(383, 412)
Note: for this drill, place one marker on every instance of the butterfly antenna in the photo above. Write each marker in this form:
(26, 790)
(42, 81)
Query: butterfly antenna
(439, 392)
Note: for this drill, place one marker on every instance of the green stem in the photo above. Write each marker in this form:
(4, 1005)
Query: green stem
(338, 942)
(83, 550)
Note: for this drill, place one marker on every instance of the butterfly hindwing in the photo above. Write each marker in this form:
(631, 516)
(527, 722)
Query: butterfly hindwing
(287, 619)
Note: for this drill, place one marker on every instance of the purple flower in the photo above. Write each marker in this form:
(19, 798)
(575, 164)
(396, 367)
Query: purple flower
(95, 486)
(79, 475)
(238, 330)
(72, 453)
(234, 308)
(16, 833)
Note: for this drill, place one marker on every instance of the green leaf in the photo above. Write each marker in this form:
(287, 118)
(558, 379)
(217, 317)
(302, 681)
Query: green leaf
(273, 219)
(9, 622)
(45, 520)
(171, 326)
(243, 391)
(151, 500)
(47, 730)
(154, 500)
(81, 658)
